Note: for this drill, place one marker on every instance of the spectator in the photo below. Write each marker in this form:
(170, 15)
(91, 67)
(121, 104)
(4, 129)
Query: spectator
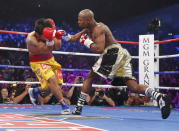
(5, 98)
(119, 95)
(74, 92)
(15, 97)
(21, 94)
(134, 100)
(99, 97)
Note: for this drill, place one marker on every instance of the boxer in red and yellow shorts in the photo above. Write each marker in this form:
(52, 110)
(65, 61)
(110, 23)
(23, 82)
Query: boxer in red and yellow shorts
(45, 67)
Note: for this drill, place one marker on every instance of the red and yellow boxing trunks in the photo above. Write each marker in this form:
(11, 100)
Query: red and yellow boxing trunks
(45, 67)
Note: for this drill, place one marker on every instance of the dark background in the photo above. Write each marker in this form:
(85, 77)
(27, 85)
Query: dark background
(108, 11)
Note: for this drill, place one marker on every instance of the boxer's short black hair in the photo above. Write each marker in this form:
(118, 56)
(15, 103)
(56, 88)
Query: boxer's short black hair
(40, 24)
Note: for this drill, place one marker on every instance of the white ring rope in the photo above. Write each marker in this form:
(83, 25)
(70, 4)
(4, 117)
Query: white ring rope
(58, 52)
(80, 85)
(54, 52)
(64, 84)
(83, 54)
(169, 88)
(166, 56)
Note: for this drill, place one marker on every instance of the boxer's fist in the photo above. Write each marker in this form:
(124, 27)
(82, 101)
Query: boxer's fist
(59, 34)
(48, 33)
(85, 40)
(66, 37)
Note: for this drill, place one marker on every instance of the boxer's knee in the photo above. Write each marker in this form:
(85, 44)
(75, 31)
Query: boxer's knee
(52, 80)
(134, 86)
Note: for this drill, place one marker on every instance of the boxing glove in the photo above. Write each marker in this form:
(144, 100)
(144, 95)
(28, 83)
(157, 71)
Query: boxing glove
(59, 34)
(85, 40)
(48, 34)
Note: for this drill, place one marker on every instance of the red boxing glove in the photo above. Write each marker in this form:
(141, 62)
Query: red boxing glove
(85, 40)
(59, 34)
(48, 33)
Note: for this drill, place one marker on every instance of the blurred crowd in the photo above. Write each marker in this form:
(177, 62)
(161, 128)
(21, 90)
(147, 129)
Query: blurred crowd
(18, 93)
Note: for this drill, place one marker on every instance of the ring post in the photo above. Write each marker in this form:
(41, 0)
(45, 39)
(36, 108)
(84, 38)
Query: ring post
(146, 60)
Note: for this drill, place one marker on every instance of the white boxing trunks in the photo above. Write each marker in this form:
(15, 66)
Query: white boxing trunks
(114, 62)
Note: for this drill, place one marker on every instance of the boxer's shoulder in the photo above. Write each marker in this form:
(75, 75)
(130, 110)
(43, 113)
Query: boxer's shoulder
(100, 26)
(31, 36)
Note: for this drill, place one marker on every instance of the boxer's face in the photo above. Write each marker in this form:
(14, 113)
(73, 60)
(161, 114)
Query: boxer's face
(82, 22)
(40, 37)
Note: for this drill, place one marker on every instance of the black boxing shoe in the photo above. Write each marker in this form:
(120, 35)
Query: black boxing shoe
(164, 104)
(77, 110)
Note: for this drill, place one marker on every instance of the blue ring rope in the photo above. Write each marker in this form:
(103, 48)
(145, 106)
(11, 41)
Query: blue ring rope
(28, 67)
(80, 70)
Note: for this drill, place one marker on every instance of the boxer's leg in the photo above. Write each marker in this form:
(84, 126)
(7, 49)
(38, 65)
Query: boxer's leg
(85, 89)
(162, 99)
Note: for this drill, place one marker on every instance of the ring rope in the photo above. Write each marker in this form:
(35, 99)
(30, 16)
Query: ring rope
(28, 67)
(168, 88)
(13, 32)
(58, 52)
(83, 54)
(166, 56)
(80, 85)
(121, 42)
(64, 84)
(54, 52)
(80, 70)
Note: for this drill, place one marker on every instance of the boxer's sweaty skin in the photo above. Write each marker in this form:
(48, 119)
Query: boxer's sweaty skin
(37, 46)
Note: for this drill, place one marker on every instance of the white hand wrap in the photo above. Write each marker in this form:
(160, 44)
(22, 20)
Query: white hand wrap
(50, 43)
(66, 37)
(88, 43)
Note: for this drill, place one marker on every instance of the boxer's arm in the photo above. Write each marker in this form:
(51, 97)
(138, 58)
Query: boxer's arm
(33, 44)
(57, 44)
(76, 37)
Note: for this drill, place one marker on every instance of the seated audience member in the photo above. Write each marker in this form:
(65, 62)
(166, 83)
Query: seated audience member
(119, 95)
(99, 97)
(147, 101)
(21, 94)
(5, 98)
(134, 100)
(16, 97)
(74, 92)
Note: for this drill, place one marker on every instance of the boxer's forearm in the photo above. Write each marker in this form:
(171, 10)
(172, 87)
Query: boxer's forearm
(76, 37)
(57, 44)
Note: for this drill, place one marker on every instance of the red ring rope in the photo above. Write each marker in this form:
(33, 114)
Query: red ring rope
(14, 32)
(121, 42)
